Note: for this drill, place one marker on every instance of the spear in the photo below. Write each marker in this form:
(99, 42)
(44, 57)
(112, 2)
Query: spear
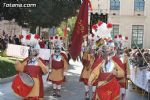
(141, 54)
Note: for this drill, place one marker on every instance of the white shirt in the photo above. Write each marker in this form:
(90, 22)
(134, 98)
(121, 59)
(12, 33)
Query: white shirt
(108, 67)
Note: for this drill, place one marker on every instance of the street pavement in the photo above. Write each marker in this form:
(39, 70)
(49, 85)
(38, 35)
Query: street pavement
(72, 89)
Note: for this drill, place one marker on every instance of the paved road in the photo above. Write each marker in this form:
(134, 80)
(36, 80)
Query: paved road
(71, 90)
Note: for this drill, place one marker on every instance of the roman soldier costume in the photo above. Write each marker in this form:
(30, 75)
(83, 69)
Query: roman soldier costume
(28, 82)
(102, 73)
(121, 62)
(58, 65)
(87, 62)
(108, 69)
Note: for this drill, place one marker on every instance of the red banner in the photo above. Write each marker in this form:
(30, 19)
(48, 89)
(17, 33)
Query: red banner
(80, 29)
(65, 31)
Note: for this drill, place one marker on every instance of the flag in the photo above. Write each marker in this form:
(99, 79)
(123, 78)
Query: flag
(65, 31)
(80, 29)
(108, 91)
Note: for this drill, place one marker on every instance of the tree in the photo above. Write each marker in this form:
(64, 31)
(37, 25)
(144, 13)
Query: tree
(47, 13)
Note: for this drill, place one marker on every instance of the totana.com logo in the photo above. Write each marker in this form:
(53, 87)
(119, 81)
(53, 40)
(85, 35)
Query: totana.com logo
(8, 5)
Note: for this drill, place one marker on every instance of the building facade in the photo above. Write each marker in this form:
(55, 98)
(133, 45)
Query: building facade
(129, 17)
(10, 27)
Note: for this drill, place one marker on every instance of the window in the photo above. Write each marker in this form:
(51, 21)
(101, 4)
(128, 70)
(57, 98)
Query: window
(137, 36)
(115, 30)
(114, 4)
(139, 5)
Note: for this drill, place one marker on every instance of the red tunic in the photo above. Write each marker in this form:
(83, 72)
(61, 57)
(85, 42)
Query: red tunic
(108, 91)
(56, 76)
(105, 76)
(64, 54)
(123, 67)
(57, 64)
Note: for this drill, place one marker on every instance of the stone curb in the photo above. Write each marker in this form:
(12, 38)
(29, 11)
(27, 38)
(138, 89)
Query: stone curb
(4, 80)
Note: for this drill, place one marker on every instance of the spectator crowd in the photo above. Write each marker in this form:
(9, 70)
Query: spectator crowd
(140, 57)
(5, 39)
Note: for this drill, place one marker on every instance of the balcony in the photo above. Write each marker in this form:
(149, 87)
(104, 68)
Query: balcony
(138, 13)
(99, 11)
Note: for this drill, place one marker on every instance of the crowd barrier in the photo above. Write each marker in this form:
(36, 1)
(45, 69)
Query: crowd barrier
(20, 51)
(140, 77)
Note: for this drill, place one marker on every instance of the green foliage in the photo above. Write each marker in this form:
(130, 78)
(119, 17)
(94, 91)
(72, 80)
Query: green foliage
(7, 68)
(47, 13)
(3, 53)
(70, 25)
(60, 31)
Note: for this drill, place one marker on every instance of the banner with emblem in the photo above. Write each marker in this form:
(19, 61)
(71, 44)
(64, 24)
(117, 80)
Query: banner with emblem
(80, 30)
(17, 51)
(20, 51)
